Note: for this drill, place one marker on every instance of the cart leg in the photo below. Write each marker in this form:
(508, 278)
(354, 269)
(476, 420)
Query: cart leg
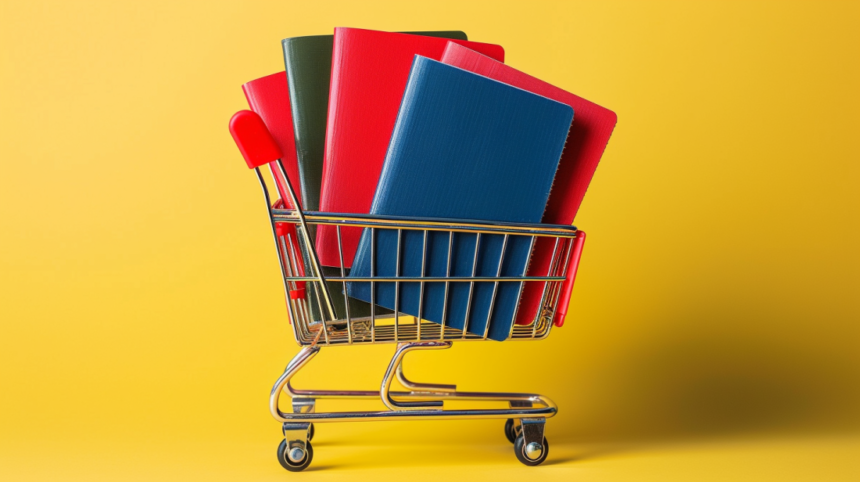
(531, 447)
(295, 452)
(514, 426)
(304, 356)
(305, 405)
(533, 430)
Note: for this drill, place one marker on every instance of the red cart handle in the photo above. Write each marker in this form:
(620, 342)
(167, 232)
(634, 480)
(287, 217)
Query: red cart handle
(570, 277)
(253, 139)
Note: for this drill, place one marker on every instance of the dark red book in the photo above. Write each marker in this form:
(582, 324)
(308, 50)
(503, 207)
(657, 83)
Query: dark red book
(269, 97)
(589, 133)
(369, 74)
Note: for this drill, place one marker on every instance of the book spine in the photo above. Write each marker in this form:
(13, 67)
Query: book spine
(337, 70)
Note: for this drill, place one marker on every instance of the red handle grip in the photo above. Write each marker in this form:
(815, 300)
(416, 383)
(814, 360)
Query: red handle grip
(253, 139)
(570, 277)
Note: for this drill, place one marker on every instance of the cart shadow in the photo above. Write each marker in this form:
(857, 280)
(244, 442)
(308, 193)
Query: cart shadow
(328, 443)
(702, 379)
(583, 455)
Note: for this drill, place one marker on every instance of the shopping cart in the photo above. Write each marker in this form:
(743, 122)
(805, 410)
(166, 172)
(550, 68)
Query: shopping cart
(320, 326)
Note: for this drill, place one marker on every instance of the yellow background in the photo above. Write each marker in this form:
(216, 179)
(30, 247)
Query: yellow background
(714, 327)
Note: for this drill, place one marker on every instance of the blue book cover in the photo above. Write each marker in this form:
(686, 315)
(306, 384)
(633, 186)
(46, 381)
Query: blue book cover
(464, 147)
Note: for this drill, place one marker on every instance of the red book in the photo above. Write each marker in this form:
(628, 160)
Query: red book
(269, 97)
(589, 133)
(369, 74)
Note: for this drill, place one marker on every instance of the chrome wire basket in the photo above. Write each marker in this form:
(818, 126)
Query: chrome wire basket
(319, 319)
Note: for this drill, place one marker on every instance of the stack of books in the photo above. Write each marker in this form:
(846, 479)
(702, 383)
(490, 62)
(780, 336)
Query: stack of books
(430, 125)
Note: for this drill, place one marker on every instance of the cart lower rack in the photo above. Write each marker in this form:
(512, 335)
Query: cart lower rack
(319, 319)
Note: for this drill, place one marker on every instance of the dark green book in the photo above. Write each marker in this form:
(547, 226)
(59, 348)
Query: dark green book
(308, 65)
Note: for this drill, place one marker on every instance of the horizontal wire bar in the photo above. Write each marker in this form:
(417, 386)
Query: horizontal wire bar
(428, 279)
(394, 222)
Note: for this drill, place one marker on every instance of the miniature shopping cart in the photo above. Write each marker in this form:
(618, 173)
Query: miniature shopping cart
(310, 301)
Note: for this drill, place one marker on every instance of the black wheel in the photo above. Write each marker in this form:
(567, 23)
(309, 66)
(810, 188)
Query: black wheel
(511, 431)
(311, 432)
(306, 456)
(530, 454)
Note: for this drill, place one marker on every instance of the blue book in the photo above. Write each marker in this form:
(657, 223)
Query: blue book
(464, 147)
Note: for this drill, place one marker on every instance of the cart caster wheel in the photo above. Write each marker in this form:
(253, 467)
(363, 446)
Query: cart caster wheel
(511, 431)
(311, 432)
(295, 460)
(531, 454)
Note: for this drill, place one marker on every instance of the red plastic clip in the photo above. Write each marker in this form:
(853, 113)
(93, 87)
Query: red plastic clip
(283, 229)
(298, 293)
(570, 277)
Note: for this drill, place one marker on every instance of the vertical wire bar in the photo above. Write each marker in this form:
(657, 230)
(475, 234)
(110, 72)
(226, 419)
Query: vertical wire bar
(522, 287)
(291, 303)
(555, 290)
(552, 294)
(421, 292)
(281, 193)
(471, 286)
(304, 303)
(319, 288)
(554, 262)
(292, 271)
(345, 296)
(282, 245)
(397, 287)
(372, 285)
(558, 284)
(496, 286)
(312, 253)
(447, 286)
(545, 283)
(275, 237)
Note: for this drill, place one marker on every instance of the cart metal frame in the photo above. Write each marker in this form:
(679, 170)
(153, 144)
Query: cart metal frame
(301, 273)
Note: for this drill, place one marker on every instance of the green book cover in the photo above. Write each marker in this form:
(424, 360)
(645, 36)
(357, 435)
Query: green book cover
(308, 64)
